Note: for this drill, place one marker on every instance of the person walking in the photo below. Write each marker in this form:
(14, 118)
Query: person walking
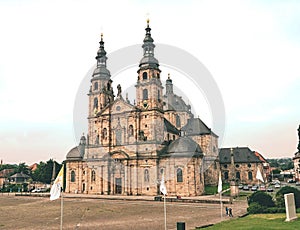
(226, 209)
(230, 212)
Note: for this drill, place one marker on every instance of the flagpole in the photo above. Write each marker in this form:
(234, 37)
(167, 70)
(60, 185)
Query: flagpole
(61, 210)
(221, 203)
(165, 211)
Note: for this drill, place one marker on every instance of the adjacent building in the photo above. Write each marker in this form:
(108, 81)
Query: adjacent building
(296, 159)
(4, 176)
(241, 164)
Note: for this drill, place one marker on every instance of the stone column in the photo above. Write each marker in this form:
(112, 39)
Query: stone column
(234, 189)
(126, 177)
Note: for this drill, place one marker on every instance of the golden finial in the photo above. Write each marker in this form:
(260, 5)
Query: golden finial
(169, 76)
(148, 20)
(101, 36)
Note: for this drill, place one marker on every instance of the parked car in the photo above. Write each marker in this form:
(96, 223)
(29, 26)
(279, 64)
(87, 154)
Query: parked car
(36, 190)
(291, 181)
(262, 188)
(254, 188)
(277, 185)
(270, 189)
(241, 186)
(246, 187)
(275, 182)
(298, 183)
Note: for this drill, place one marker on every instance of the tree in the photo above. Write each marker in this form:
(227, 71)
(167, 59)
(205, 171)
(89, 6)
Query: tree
(285, 190)
(44, 171)
(22, 168)
(262, 199)
(7, 166)
(282, 163)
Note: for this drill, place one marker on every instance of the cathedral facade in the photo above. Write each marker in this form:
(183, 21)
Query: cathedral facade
(129, 148)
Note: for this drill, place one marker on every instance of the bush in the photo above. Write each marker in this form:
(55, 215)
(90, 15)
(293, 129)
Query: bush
(255, 207)
(285, 190)
(275, 210)
(261, 198)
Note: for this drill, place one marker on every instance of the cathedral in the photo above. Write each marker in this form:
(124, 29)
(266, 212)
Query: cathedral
(130, 148)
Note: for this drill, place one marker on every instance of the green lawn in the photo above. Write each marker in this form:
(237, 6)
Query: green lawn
(259, 221)
(212, 189)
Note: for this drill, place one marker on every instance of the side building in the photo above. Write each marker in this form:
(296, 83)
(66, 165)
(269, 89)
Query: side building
(241, 164)
(296, 159)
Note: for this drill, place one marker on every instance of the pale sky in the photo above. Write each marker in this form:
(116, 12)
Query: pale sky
(251, 48)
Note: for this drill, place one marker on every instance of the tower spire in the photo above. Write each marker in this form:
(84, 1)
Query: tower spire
(169, 85)
(148, 59)
(101, 70)
(101, 54)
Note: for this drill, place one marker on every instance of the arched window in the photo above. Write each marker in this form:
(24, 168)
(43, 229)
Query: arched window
(146, 175)
(250, 176)
(96, 86)
(145, 94)
(179, 175)
(95, 103)
(225, 175)
(158, 95)
(130, 130)
(104, 134)
(145, 76)
(93, 176)
(73, 176)
(237, 175)
(177, 120)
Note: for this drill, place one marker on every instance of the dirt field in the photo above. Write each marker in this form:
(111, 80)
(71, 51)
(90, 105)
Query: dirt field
(80, 213)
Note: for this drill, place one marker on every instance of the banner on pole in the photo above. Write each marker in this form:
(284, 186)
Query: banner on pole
(162, 186)
(57, 185)
(259, 175)
(220, 183)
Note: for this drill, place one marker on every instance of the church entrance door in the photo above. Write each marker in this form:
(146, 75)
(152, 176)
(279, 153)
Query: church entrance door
(118, 186)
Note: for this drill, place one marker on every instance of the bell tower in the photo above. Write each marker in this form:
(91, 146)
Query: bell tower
(101, 91)
(149, 89)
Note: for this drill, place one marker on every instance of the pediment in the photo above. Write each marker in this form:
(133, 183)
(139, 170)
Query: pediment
(118, 106)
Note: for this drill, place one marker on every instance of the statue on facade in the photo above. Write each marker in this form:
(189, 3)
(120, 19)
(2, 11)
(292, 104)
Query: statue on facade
(119, 90)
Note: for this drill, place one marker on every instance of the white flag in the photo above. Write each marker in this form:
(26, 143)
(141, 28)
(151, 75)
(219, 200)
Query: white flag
(220, 183)
(57, 185)
(162, 186)
(259, 175)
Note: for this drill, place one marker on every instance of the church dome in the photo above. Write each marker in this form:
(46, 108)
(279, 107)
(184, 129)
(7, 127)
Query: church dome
(76, 153)
(148, 60)
(184, 146)
(101, 72)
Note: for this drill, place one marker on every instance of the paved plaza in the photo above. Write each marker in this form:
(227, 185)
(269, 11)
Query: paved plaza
(89, 212)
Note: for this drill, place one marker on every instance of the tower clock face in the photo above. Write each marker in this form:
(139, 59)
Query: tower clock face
(145, 104)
